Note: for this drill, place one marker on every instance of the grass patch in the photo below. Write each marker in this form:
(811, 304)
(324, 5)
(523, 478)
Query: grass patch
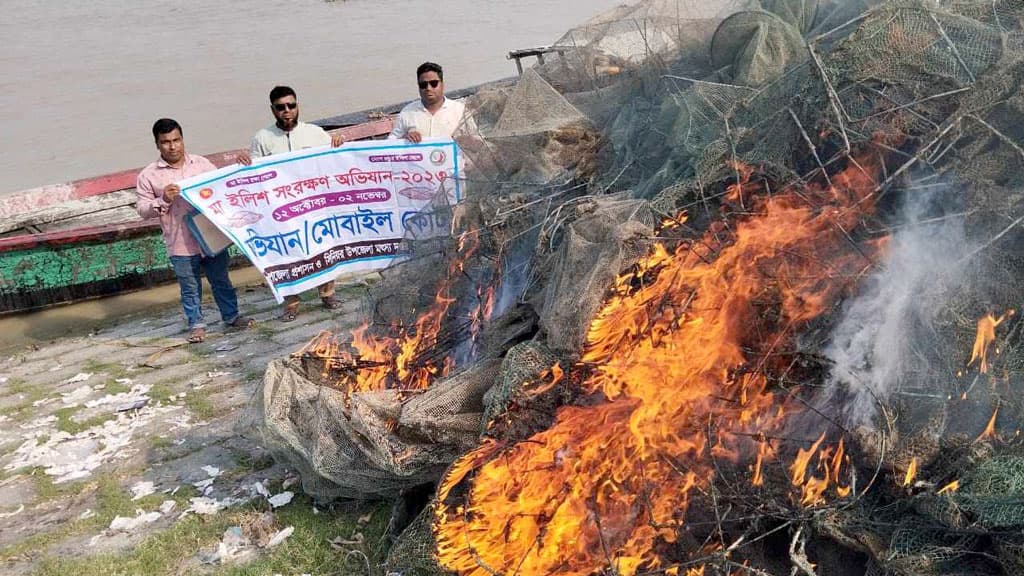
(199, 404)
(162, 391)
(47, 491)
(111, 369)
(66, 420)
(168, 552)
(17, 386)
(23, 410)
(110, 501)
(264, 330)
(160, 442)
(254, 374)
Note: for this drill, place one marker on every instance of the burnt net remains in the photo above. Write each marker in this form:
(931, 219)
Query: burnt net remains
(733, 290)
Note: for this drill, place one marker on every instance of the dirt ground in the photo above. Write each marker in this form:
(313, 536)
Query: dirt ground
(125, 451)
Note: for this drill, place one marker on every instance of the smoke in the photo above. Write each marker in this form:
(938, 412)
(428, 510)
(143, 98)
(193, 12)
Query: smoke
(878, 339)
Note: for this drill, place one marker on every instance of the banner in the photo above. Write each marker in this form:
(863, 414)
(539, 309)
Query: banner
(305, 217)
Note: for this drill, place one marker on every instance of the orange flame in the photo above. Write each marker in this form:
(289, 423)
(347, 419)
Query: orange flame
(951, 487)
(985, 336)
(911, 474)
(672, 384)
(371, 361)
(990, 430)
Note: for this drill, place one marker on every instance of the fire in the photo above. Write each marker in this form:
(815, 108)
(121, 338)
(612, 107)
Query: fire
(371, 361)
(985, 336)
(949, 488)
(911, 474)
(676, 374)
(990, 430)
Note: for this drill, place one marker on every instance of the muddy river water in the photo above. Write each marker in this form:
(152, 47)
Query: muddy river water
(83, 82)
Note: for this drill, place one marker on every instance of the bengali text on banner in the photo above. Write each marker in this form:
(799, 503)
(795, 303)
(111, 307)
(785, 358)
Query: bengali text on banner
(305, 217)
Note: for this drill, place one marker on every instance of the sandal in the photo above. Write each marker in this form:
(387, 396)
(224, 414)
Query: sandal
(330, 303)
(196, 335)
(286, 316)
(241, 322)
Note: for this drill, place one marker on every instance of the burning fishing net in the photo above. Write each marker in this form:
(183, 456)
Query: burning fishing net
(734, 292)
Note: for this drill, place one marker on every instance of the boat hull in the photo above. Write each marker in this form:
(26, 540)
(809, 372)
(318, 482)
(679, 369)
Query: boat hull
(84, 264)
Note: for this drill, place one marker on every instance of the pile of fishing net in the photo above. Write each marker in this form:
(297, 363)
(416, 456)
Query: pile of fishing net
(658, 108)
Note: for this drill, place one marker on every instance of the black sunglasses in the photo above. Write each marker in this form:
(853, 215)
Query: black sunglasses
(433, 84)
(286, 105)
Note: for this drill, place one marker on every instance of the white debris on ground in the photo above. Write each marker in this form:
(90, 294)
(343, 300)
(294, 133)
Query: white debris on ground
(213, 471)
(74, 456)
(75, 397)
(205, 506)
(137, 393)
(259, 488)
(280, 537)
(122, 524)
(281, 499)
(167, 506)
(142, 489)
(80, 377)
(21, 508)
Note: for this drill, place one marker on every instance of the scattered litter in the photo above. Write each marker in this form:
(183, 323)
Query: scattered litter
(226, 348)
(167, 507)
(260, 489)
(21, 508)
(37, 423)
(3, 379)
(80, 377)
(204, 506)
(122, 524)
(175, 491)
(281, 499)
(95, 539)
(133, 405)
(138, 392)
(89, 513)
(142, 489)
(56, 368)
(217, 374)
(213, 471)
(73, 456)
(43, 402)
(203, 484)
(125, 381)
(290, 481)
(280, 537)
(340, 543)
(76, 395)
(99, 387)
(3, 418)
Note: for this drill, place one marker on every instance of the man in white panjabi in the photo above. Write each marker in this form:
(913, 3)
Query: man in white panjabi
(433, 115)
(287, 134)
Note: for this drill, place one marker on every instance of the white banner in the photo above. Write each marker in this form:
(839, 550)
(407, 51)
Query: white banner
(305, 217)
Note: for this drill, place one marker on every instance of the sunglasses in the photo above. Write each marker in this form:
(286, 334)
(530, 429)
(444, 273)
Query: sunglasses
(432, 83)
(286, 106)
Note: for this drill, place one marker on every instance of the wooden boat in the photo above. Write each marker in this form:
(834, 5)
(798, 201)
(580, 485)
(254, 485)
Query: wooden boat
(83, 239)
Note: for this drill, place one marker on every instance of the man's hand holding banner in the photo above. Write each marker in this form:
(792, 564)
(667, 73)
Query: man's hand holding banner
(306, 217)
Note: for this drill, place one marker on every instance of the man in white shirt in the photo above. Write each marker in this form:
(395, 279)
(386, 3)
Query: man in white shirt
(432, 115)
(285, 135)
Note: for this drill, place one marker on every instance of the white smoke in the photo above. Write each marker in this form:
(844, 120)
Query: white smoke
(871, 345)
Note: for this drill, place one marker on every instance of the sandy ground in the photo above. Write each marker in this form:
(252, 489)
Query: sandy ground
(89, 419)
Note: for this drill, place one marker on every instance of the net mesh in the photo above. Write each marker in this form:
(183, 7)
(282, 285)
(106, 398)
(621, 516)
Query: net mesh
(650, 110)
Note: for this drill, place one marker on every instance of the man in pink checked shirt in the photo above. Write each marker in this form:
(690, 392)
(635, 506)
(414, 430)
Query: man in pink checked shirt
(159, 196)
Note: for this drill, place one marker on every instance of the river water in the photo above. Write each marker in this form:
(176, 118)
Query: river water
(83, 81)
